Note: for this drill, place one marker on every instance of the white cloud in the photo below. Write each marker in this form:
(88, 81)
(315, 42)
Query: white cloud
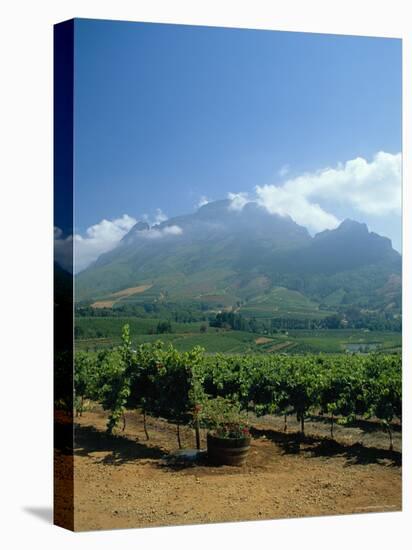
(202, 202)
(103, 237)
(238, 200)
(172, 230)
(279, 200)
(109, 230)
(160, 216)
(371, 188)
(157, 233)
(99, 238)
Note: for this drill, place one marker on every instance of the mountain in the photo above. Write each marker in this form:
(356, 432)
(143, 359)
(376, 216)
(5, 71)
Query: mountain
(262, 263)
(349, 246)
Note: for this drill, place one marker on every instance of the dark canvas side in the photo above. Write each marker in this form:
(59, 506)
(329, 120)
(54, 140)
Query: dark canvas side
(63, 274)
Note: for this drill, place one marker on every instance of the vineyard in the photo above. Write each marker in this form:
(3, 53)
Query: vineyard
(182, 387)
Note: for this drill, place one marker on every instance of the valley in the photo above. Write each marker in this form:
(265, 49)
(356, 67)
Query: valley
(104, 332)
(244, 282)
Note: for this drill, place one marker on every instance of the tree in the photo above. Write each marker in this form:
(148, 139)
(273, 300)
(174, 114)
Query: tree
(164, 327)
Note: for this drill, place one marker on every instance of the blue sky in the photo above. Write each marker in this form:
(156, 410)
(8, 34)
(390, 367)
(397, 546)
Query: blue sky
(168, 114)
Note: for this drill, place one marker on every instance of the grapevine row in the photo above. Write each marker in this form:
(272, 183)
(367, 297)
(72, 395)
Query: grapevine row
(162, 382)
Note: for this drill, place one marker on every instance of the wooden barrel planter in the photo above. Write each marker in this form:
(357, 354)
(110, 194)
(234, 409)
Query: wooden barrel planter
(227, 450)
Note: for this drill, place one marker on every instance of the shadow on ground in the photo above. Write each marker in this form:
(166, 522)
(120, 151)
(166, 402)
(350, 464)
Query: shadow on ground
(44, 513)
(119, 449)
(367, 426)
(183, 460)
(292, 443)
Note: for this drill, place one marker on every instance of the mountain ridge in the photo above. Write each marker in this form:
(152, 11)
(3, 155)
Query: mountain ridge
(221, 251)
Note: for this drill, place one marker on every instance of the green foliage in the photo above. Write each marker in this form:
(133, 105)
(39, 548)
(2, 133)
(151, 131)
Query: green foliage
(164, 327)
(104, 332)
(224, 417)
(340, 385)
(87, 327)
(85, 379)
(114, 383)
(189, 387)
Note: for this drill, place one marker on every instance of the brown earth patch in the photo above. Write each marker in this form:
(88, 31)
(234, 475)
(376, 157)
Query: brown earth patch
(119, 295)
(103, 303)
(263, 340)
(283, 345)
(132, 290)
(125, 481)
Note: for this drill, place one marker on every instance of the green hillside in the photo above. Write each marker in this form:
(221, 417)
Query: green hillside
(250, 261)
(282, 302)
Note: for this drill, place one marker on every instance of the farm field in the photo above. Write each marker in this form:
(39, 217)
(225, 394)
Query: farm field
(218, 341)
(111, 327)
(341, 340)
(284, 302)
(117, 296)
(100, 332)
(122, 480)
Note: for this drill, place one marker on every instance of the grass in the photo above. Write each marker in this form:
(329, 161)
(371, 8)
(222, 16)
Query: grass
(105, 332)
(281, 302)
(214, 341)
(111, 327)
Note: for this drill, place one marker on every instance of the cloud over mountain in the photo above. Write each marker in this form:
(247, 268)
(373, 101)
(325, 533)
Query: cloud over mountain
(159, 232)
(283, 201)
(238, 200)
(103, 237)
(99, 238)
(372, 188)
(159, 217)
